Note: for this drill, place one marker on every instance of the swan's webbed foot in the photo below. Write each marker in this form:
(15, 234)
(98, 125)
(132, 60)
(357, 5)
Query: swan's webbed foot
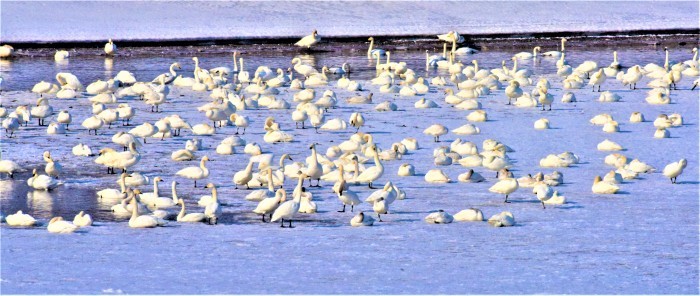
(343, 211)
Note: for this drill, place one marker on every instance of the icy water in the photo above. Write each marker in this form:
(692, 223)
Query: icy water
(644, 240)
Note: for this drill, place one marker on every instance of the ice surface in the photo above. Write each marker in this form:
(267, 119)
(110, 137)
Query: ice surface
(644, 240)
(25, 21)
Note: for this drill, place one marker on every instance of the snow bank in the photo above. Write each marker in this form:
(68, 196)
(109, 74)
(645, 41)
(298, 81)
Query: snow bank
(96, 21)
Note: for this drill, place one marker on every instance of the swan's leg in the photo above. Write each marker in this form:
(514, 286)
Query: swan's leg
(380, 218)
(195, 183)
(290, 224)
(543, 205)
(318, 182)
(506, 201)
(316, 129)
(550, 107)
(237, 130)
(370, 186)
(244, 130)
(352, 208)
(263, 218)
(282, 223)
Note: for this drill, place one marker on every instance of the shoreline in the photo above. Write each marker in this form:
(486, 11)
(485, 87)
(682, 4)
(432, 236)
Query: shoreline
(470, 39)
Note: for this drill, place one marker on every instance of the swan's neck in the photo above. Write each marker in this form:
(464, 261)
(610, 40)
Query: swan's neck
(562, 45)
(249, 168)
(174, 191)
(378, 60)
(214, 195)
(182, 211)
(695, 56)
(270, 186)
(172, 70)
(155, 188)
(314, 157)
(534, 52)
(454, 45)
(666, 61)
(134, 209)
(388, 58)
(369, 51)
(515, 65)
(357, 170)
(202, 164)
(444, 50)
(614, 56)
(476, 66)
(342, 174)
(299, 184)
(241, 62)
(122, 185)
(376, 160)
(235, 62)
(282, 164)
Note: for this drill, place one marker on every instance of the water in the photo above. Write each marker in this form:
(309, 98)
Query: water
(644, 240)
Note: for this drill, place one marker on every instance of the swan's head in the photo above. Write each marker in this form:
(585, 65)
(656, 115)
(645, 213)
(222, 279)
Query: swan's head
(683, 163)
(196, 59)
(157, 179)
(597, 179)
(34, 173)
(136, 192)
(47, 155)
(175, 183)
(55, 219)
(370, 39)
(210, 185)
(315, 33)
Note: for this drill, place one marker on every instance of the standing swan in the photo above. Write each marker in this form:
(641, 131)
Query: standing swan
(287, 210)
(213, 210)
(309, 40)
(371, 174)
(374, 52)
(675, 169)
(194, 172)
(110, 48)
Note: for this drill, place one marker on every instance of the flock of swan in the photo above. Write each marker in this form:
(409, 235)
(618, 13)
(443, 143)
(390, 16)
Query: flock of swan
(236, 92)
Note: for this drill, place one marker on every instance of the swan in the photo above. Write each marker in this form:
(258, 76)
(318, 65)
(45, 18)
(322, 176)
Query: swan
(360, 99)
(302, 69)
(82, 219)
(542, 123)
(513, 91)
(110, 48)
(20, 219)
(244, 176)
(675, 169)
(262, 194)
(676, 120)
(504, 219)
(56, 129)
(58, 225)
(597, 79)
(213, 210)
(568, 97)
(9, 167)
(52, 168)
(42, 110)
(134, 179)
(168, 78)
(347, 196)
(203, 129)
(306, 205)
(555, 53)
(662, 133)
(277, 137)
(374, 52)
(586, 67)
(639, 167)
(478, 116)
(147, 197)
(526, 55)
(61, 55)
(602, 187)
(309, 40)
(545, 98)
(544, 193)
(182, 155)
(439, 217)
(556, 199)
(371, 174)
(436, 130)
(93, 123)
(42, 182)
(632, 76)
(334, 124)
(143, 131)
(471, 214)
(142, 221)
(658, 98)
(424, 103)
(406, 170)
(663, 121)
(361, 220)
(10, 124)
(436, 176)
(270, 204)
(357, 120)
(6, 51)
(195, 173)
(470, 177)
(467, 129)
(191, 217)
(505, 186)
(286, 211)
(166, 202)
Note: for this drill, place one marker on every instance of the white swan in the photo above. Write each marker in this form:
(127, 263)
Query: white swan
(309, 40)
(42, 182)
(602, 187)
(470, 214)
(195, 173)
(675, 169)
(20, 219)
(191, 217)
(58, 225)
(436, 130)
(374, 52)
(82, 219)
(110, 48)
(9, 167)
(436, 176)
(544, 193)
(142, 221)
(439, 217)
(286, 211)
(244, 176)
(504, 219)
(361, 220)
(470, 177)
(270, 204)
(406, 170)
(505, 186)
(526, 55)
(347, 196)
(371, 174)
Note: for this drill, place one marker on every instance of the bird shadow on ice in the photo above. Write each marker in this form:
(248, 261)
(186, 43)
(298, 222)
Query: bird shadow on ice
(689, 182)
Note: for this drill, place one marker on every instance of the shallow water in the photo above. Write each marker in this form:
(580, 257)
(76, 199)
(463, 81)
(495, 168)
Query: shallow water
(644, 240)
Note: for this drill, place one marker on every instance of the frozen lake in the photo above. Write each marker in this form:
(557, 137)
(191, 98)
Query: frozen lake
(644, 240)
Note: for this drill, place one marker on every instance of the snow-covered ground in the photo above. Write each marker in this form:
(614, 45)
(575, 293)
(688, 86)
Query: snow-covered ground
(644, 240)
(36, 21)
